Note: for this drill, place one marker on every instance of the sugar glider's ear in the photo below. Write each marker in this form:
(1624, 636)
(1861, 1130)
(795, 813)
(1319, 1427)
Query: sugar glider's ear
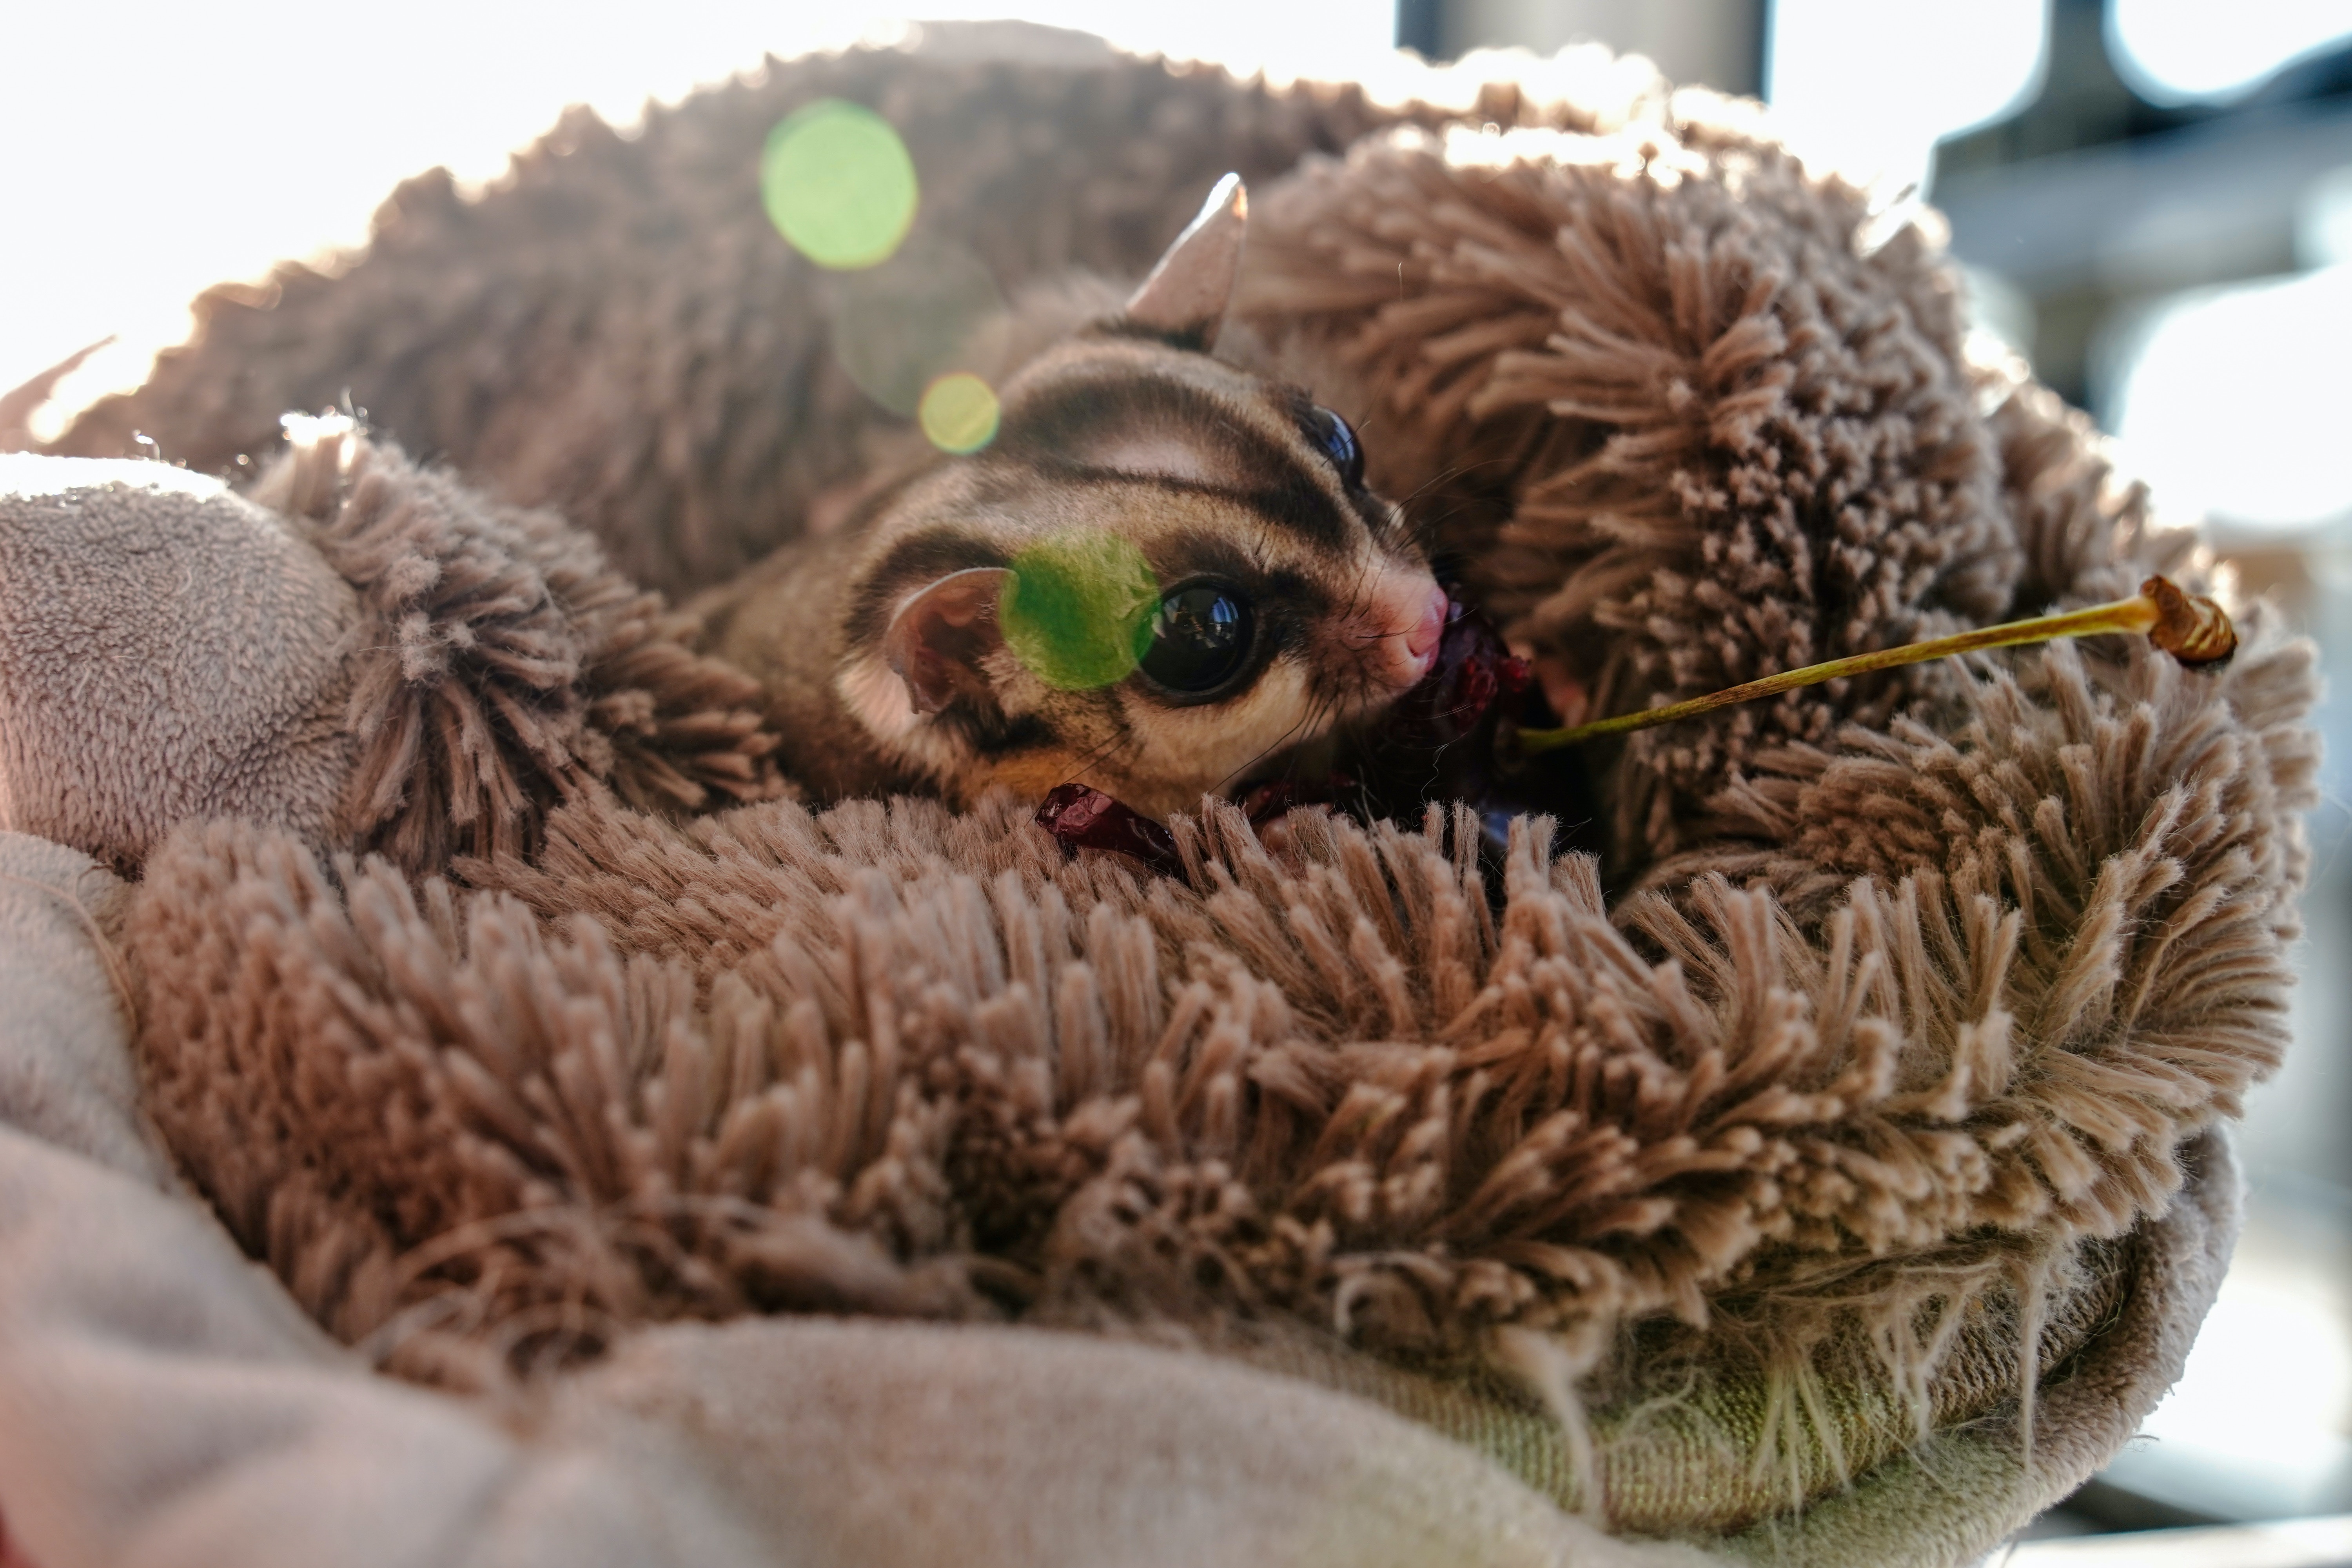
(937, 640)
(1186, 295)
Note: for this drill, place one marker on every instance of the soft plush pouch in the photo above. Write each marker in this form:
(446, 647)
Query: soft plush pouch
(1830, 1174)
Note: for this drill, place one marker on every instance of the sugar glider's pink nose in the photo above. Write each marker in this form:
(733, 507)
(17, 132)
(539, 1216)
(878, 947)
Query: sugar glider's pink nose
(1407, 621)
(1423, 639)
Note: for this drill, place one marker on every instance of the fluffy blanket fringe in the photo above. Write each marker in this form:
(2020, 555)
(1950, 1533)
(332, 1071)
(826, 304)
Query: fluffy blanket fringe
(1831, 1123)
(888, 1059)
(500, 664)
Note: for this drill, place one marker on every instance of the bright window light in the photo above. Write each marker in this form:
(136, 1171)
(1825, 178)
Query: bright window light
(1327, 36)
(154, 148)
(1868, 88)
(2231, 402)
(2177, 51)
(2268, 1380)
(2323, 220)
(2257, 1422)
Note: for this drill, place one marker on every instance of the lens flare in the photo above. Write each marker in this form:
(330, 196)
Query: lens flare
(1077, 610)
(898, 327)
(838, 184)
(959, 413)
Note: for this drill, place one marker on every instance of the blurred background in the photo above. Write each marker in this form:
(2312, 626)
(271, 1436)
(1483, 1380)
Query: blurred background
(2152, 200)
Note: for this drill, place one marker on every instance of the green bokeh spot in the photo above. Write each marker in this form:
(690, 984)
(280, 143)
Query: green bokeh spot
(838, 184)
(1077, 610)
(960, 413)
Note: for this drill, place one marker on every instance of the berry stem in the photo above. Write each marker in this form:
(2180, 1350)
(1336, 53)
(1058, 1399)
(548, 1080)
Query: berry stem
(2193, 630)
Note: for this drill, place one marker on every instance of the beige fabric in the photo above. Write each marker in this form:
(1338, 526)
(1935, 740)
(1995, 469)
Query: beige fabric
(168, 650)
(66, 1078)
(916, 1447)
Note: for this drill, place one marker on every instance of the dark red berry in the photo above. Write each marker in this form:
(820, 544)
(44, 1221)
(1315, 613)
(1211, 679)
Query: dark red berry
(1082, 818)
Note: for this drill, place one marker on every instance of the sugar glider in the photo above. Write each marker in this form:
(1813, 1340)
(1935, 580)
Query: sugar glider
(1280, 602)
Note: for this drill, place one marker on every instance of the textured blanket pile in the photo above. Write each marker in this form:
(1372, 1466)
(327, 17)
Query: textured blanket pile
(1828, 1172)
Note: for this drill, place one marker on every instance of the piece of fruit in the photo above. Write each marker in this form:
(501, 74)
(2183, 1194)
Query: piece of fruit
(1083, 817)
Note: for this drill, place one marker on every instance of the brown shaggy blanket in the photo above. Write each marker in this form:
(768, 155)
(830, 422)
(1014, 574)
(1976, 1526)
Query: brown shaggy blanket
(1828, 1110)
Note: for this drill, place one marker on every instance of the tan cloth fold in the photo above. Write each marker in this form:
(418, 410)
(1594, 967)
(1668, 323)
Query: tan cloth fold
(164, 1405)
(168, 650)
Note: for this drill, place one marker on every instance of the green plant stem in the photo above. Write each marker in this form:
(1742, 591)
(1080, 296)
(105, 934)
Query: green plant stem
(2134, 614)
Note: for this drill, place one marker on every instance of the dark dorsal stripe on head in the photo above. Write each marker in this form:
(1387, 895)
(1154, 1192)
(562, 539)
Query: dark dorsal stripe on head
(1123, 327)
(1053, 428)
(1283, 509)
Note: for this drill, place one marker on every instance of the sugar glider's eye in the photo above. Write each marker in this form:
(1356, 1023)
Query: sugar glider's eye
(1338, 442)
(1201, 638)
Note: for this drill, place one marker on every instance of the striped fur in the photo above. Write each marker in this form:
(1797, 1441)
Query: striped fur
(1207, 469)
